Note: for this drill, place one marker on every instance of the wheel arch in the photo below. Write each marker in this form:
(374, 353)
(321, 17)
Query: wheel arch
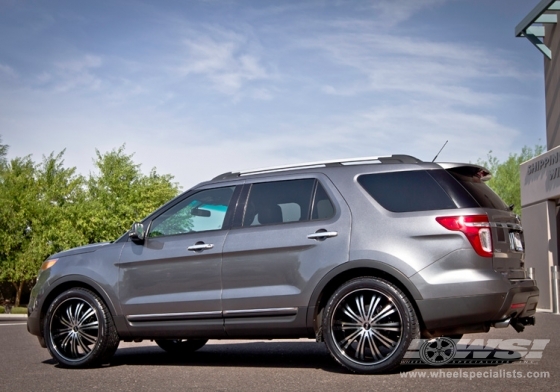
(74, 281)
(350, 270)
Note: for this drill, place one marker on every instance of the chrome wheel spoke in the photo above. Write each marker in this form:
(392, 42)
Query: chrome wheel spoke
(85, 348)
(350, 313)
(346, 326)
(361, 308)
(90, 312)
(387, 327)
(91, 339)
(374, 349)
(69, 315)
(373, 305)
(67, 323)
(92, 325)
(387, 311)
(383, 339)
(361, 345)
(350, 338)
(66, 340)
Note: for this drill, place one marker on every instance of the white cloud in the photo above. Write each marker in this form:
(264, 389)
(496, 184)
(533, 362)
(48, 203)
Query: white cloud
(392, 12)
(74, 73)
(7, 71)
(226, 59)
(437, 70)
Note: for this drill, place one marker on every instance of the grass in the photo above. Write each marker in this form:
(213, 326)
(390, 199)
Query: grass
(18, 310)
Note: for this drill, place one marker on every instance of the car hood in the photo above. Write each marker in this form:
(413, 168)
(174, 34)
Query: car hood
(80, 249)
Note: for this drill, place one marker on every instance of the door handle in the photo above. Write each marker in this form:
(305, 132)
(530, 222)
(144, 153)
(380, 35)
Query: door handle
(322, 235)
(197, 247)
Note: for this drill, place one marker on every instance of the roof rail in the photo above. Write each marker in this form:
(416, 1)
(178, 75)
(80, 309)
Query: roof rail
(310, 165)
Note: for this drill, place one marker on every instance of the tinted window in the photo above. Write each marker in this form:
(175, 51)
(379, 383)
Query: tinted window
(482, 193)
(406, 191)
(322, 205)
(203, 211)
(279, 202)
(454, 189)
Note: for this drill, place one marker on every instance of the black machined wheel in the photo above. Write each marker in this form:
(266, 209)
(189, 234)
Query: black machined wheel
(181, 346)
(369, 324)
(79, 330)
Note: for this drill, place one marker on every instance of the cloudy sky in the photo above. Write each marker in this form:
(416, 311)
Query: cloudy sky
(196, 88)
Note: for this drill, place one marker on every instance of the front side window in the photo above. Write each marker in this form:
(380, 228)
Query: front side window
(203, 211)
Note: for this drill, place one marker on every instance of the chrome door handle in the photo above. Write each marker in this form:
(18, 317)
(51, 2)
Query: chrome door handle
(322, 234)
(200, 247)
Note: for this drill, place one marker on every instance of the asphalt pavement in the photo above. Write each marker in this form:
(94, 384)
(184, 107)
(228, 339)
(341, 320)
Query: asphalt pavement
(301, 365)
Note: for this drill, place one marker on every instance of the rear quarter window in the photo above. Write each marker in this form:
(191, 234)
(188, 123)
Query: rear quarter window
(406, 191)
(482, 193)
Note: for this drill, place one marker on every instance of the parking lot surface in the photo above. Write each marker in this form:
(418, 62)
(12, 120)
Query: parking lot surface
(275, 366)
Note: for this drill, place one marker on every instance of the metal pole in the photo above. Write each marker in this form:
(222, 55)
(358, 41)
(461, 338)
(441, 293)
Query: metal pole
(531, 273)
(555, 290)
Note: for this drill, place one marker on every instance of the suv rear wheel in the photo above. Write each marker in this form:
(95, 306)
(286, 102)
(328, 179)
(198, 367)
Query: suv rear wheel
(79, 330)
(368, 325)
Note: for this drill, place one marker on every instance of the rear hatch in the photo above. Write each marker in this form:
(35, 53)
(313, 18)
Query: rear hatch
(507, 233)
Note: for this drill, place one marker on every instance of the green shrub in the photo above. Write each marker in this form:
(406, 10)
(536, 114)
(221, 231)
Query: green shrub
(18, 310)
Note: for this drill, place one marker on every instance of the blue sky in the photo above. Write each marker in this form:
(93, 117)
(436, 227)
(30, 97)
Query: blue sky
(197, 88)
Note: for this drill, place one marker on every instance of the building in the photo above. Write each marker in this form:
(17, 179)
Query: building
(540, 177)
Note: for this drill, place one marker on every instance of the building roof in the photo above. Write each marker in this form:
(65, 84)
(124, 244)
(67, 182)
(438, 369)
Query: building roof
(532, 26)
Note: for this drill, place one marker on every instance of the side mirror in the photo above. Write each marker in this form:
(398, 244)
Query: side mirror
(137, 232)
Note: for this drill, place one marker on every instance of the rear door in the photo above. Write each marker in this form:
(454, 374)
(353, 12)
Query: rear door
(290, 232)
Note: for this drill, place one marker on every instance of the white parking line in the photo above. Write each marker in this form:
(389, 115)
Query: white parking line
(2, 324)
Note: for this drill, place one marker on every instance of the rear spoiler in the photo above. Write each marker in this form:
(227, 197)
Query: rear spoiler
(467, 169)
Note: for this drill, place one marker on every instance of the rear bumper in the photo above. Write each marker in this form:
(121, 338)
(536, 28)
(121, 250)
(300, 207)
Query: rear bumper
(476, 313)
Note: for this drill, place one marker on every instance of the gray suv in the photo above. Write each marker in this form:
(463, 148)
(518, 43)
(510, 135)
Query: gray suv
(363, 254)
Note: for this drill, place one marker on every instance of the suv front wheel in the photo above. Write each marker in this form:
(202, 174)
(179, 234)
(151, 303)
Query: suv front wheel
(368, 325)
(79, 330)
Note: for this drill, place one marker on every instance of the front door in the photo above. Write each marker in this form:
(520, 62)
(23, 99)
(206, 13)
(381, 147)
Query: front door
(172, 282)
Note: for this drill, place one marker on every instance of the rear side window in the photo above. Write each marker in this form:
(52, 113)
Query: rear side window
(482, 193)
(322, 205)
(277, 202)
(406, 191)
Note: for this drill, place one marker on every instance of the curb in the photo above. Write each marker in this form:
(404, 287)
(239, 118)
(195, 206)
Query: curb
(13, 317)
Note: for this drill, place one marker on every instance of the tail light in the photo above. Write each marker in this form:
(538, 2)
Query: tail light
(475, 227)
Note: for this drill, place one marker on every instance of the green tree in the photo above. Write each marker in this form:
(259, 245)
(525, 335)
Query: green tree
(506, 176)
(17, 198)
(120, 194)
(47, 207)
(40, 204)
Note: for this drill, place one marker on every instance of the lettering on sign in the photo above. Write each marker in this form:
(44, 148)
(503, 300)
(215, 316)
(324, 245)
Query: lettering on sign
(543, 163)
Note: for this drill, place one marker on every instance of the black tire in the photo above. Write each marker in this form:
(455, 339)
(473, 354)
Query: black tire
(368, 325)
(181, 346)
(79, 330)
